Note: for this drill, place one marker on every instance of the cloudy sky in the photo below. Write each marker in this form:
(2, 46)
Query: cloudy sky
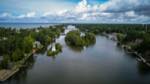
(68, 11)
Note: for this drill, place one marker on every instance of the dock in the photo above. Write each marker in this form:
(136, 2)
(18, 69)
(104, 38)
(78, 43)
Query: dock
(5, 74)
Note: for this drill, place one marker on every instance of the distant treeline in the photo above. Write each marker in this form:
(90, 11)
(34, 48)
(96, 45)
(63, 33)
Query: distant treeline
(109, 28)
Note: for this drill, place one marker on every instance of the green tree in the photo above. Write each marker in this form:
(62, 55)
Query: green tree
(17, 55)
(89, 38)
(73, 38)
(28, 44)
(120, 37)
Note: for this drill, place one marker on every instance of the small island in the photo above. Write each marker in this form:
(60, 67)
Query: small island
(77, 39)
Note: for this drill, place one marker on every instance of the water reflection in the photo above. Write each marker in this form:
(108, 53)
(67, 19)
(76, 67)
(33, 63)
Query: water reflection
(79, 49)
(75, 49)
(42, 51)
(53, 58)
(30, 63)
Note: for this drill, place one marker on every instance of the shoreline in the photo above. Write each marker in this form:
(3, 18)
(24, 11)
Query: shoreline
(5, 74)
(140, 57)
(128, 50)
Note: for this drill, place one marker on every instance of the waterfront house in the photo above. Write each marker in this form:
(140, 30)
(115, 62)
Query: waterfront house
(37, 44)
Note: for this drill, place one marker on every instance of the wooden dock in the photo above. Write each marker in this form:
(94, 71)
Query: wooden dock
(5, 74)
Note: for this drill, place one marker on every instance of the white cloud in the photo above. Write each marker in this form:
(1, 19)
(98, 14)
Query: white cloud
(31, 14)
(125, 5)
(47, 14)
(113, 11)
(82, 6)
(28, 15)
(131, 14)
(5, 14)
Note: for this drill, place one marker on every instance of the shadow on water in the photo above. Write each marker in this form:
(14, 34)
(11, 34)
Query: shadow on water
(54, 56)
(80, 49)
(75, 49)
(42, 51)
(143, 69)
(119, 48)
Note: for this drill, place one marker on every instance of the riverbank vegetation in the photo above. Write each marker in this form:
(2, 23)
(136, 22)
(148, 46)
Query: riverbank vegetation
(133, 37)
(77, 39)
(15, 44)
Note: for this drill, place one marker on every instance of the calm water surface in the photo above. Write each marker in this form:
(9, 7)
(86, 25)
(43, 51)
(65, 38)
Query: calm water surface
(102, 63)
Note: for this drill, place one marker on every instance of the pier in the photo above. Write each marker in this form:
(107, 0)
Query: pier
(5, 74)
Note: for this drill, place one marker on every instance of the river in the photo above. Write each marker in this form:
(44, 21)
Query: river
(102, 63)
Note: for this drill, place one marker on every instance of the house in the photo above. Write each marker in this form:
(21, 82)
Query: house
(82, 34)
(36, 44)
(70, 28)
(138, 41)
(4, 38)
(53, 47)
(113, 36)
(37, 30)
